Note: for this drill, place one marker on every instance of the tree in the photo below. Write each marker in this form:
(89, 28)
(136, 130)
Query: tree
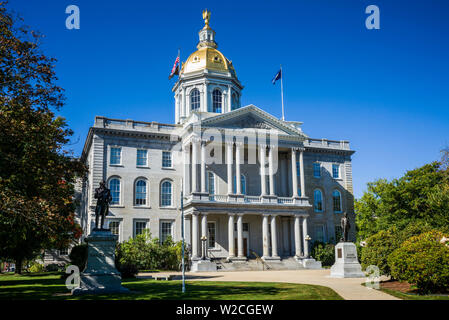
(418, 196)
(37, 174)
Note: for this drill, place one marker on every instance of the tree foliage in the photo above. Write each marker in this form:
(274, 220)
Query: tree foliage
(37, 174)
(419, 196)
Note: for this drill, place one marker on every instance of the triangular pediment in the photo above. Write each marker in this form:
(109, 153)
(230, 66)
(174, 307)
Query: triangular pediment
(251, 117)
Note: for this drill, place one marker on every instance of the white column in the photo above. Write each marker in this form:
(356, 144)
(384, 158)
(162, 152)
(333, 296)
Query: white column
(294, 174)
(298, 242)
(263, 181)
(203, 231)
(238, 146)
(194, 235)
(270, 169)
(194, 164)
(240, 236)
(203, 166)
(229, 161)
(304, 234)
(229, 99)
(266, 252)
(206, 97)
(184, 103)
(186, 182)
(301, 172)
(274, 242)
(231, 251)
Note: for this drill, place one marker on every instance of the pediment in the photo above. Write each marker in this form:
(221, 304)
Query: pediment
(251, 117)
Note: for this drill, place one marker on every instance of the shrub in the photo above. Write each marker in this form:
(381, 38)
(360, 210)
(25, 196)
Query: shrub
(146, 253)
(423, 261)
(324, 252)
(78, 256)
(52, 267)
(128, 270)
(380, 245)
(36, 267)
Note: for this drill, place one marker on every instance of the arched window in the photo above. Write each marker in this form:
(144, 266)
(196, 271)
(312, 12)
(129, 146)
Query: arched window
(216, 101)
(195, 99)
(166, 194)
(211, 183)
(318, 200)
(235, 101)
(141, 193)
(336, 199)
(114, 186)
(242, 184)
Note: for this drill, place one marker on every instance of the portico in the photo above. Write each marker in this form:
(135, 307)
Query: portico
(270, 224)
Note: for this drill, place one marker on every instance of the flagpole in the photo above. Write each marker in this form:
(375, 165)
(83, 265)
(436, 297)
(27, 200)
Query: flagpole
(282, 95)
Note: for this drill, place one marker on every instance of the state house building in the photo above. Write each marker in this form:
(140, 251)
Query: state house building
(272, 191)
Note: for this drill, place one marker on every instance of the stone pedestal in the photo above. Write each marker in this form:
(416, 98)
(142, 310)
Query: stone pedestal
(203, 266)
(100, 275)
(310, 263)
(346, 264)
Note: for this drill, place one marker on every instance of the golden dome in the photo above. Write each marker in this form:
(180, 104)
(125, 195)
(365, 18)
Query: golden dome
(207, 58)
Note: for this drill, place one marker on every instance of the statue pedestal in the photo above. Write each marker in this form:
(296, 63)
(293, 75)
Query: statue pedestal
(346, 264)
(203, 266)
(100, 275)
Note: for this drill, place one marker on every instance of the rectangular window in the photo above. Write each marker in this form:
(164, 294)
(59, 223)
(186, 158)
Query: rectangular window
(142, 158)
(335, 171)
(319, 233)
(211, 183)
(166, 230)
(116, 155)
(114, 226)
(139, 227)
(166, 159)
(245, 226)
(212, 234)
(316, 170)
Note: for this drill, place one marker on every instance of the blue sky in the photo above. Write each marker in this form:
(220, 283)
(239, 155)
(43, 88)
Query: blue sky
(386, 91)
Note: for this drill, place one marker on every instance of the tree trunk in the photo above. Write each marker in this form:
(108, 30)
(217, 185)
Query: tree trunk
(18, 269)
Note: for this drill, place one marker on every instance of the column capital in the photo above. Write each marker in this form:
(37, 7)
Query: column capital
(229, 143)
(266, 215)
(263, 146)
(195, 139)
(239, 214)
(273, 146)
(238, 144)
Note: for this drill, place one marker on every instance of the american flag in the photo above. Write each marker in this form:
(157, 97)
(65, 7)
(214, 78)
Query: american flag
(175, 68)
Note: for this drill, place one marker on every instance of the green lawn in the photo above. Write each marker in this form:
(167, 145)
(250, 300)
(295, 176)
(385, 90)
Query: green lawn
(51, 286)
(407, 296)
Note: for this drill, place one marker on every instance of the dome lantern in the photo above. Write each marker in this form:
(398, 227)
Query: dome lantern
(207, 34)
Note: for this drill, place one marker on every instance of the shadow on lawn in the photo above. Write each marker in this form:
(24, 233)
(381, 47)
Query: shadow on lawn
(164, 290)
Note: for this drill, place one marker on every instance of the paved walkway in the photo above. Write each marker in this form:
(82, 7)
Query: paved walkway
(348, 288)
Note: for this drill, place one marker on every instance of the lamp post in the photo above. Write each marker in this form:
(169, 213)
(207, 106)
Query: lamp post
(203, 240)
(308, 238)
(182, 236)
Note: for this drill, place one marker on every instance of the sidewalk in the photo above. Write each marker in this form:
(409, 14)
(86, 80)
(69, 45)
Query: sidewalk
(349, 288)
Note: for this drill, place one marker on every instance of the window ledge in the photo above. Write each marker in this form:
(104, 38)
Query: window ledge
(167, 168)
(116, 206)
(116, 165)
(141, 207)
(170, 208)
(338, 179)
(143, 167)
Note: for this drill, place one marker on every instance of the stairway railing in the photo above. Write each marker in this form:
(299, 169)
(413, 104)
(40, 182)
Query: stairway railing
(259, 259)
